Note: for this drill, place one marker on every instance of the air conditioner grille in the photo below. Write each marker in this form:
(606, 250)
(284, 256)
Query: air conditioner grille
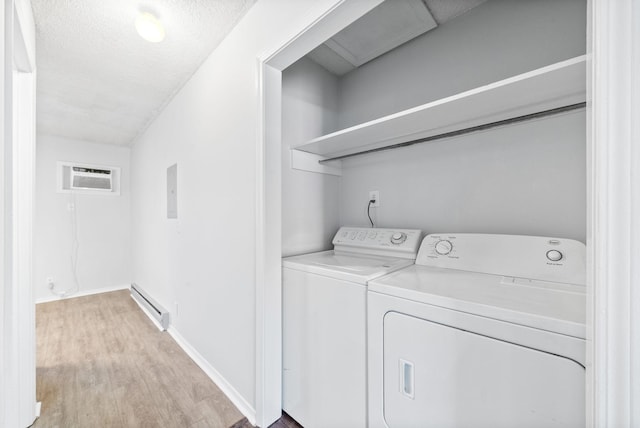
(87, 178)
(84, 182)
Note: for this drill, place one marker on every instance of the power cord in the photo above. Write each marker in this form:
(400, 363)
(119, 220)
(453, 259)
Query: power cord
(75, 246)
(371, 201)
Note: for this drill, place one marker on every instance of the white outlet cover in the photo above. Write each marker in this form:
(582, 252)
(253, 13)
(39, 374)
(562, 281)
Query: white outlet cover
(375, 194)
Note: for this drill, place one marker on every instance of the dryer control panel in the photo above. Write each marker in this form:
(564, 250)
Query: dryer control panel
(389, 242)
(518, 257)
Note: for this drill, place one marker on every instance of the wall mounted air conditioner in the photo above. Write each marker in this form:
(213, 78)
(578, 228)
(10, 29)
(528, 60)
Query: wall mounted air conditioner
(83, 178)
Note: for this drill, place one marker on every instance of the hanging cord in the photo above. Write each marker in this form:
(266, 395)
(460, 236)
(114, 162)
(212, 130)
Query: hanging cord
(372, 201)
(75, 246)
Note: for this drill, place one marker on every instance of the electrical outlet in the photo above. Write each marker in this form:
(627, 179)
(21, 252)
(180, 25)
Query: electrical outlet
(176, 312)
(374, 195)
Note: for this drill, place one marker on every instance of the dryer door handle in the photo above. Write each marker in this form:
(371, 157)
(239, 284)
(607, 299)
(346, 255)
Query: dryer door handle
(406, 378)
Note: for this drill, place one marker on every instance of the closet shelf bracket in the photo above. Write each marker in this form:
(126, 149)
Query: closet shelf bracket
(312, 162)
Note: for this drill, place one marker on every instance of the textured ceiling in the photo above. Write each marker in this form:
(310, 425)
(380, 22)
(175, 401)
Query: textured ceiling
(99, 81)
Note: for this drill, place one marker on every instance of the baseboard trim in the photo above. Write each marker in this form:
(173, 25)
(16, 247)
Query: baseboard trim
(83, 293)
(236, 398)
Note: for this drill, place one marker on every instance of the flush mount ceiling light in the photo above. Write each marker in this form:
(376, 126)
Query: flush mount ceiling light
(149, 27)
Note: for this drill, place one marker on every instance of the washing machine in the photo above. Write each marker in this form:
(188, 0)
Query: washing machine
(325, 321)
(483, 331)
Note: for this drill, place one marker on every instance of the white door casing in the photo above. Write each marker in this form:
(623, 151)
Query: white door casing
(19, 407)
(613, 214)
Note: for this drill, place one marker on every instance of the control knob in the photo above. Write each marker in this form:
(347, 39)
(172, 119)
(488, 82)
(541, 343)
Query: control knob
(443, 247)
(554, 255)
(398, 238)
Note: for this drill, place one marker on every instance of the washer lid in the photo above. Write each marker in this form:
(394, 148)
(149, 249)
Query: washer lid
(347, 267)
(549, 306)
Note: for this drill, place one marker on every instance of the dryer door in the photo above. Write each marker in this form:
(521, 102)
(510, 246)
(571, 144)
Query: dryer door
(440, 376)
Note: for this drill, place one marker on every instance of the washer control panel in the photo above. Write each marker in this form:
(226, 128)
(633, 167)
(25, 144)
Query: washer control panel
(374, 240)
(529, 257)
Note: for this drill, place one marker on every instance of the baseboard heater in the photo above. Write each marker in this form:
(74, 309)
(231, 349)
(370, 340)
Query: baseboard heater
(152, 307)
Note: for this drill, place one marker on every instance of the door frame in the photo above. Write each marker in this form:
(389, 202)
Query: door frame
(613, 214)
(17, 190)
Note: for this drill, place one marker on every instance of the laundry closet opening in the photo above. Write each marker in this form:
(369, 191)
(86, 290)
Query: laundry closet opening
(527, 178)
(432, 70)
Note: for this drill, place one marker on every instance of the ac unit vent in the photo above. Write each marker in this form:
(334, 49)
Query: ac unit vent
(84, 178)
(91, 178)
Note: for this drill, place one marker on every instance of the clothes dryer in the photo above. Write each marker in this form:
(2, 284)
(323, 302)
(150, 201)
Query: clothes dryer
(325, 319)
(483, 331)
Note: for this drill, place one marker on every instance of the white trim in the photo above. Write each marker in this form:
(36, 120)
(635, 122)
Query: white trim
(4, 230)
(613, 235)
(18, 382)
(25, 25)
(23, 205)
(225, 386)
(268, 247)
(319, 25)
(83, 293)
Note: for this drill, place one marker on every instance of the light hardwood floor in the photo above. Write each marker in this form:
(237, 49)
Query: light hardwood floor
(102, 363)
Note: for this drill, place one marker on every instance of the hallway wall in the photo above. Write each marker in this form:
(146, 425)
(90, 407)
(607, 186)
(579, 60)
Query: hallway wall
(103, 221)
(202, 265)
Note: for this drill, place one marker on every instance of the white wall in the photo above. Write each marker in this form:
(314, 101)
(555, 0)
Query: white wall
(310, 201)
(522, 179)
(498, 39)
(527, 179)
(205, 260)
(104, 225)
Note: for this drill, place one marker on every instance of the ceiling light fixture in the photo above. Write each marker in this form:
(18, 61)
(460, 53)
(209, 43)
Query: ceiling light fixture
(149, 27)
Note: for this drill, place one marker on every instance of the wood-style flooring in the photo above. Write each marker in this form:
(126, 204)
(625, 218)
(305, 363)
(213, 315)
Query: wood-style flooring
(102, 363)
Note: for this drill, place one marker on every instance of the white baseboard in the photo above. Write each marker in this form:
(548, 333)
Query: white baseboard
(236, 398)
(82, 293)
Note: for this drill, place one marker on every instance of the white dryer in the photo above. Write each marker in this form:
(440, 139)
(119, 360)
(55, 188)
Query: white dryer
(325, 320)
(483, 331)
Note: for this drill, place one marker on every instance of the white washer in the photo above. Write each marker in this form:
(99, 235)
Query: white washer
(325, 320)
(483, 331)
